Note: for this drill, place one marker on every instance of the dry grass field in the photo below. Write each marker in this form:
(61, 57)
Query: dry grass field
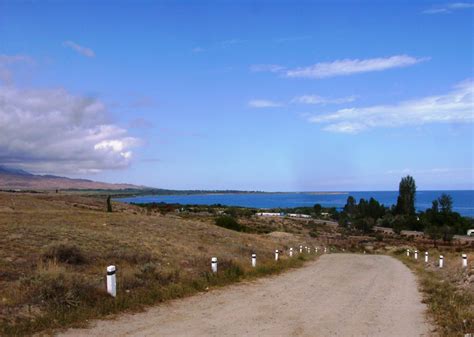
(54, 250)
(448, 291)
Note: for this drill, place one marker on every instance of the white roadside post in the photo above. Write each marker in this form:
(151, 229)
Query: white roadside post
(291, 252)
(464, 260)
(441, 258)
(325, 250)
(214, 264)
(416, 255)
(276, 255)
(301, 249)
(426, 257)
(111, 281)
(254, 260)
(309, 249)
(408, 252)
(316, 250)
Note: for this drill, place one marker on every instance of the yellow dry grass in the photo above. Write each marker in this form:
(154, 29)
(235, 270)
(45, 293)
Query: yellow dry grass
(175, 249)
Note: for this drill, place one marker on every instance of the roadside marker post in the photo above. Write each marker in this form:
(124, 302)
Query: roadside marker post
(441, 260)
(416, 255)
(291, 252)
(111, 281)
(426, 257)
(408, 252)
(464, 260)
(276, 255)
(325, 249)
(214, 264)
(301, 249)
(254, 260)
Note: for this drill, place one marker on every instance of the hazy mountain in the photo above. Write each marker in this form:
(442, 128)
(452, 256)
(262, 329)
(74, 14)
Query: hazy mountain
(13, 178)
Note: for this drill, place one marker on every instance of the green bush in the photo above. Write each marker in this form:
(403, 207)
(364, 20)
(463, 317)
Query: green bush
(229, 223)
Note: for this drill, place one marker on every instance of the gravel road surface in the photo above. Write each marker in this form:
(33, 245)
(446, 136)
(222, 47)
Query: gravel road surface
(337, 295)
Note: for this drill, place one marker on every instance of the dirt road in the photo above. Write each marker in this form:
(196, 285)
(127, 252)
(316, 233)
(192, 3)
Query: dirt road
(338, 295)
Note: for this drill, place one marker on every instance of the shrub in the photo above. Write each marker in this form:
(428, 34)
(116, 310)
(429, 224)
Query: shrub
(229, 223)
(65, 253)
(60, 290)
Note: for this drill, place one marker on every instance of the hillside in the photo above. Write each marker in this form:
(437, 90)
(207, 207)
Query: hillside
(55, 248)
(11, 179)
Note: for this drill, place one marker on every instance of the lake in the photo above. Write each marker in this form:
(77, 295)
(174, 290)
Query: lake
(463, 201)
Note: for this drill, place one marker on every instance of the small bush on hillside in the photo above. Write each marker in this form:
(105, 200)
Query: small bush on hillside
(229, 223)
(65, 253)
(131, 256)
(313, 233)
(60, 290)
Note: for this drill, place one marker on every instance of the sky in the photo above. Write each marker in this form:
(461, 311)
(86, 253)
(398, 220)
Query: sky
(248, 95)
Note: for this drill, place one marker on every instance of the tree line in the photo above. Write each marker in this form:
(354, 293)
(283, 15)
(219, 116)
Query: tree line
(439, 221)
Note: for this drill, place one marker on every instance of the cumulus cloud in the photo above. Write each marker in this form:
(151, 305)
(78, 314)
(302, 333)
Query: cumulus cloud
(449, 8)
(78, 48)
(316, 99)
(53, 131)
(263, 103)
(456, 106)
(353, 66)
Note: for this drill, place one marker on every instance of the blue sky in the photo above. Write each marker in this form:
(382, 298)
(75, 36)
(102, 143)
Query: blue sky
(287, 96)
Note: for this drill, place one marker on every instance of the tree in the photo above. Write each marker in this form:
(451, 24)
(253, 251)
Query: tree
(364, 224)
(446, 203)
(109, 204)
(317, 209)
(406, 196)
(351, 205)
(433, 232)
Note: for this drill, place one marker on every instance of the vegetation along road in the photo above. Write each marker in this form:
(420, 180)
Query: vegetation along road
(338, 295)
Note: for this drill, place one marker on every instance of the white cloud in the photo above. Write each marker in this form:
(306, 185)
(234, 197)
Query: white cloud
(197, 50)
(263, 103)
(353, 66)
(272, 68)
(80, 49)
(6, 62)
(449, 8)
(461, 5)
(316, 99)
(436, 11)
(456, 106)
(53, 131)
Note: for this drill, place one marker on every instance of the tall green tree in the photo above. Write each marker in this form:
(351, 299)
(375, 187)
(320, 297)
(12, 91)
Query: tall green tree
(406, 196)
(351, 205)
(446, 203)
(317, 209)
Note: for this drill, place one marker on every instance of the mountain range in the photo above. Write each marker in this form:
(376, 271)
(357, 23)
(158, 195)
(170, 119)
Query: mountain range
(14, 178)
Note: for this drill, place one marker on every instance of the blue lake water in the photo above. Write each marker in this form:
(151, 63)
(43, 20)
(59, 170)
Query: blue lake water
(463, 201)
